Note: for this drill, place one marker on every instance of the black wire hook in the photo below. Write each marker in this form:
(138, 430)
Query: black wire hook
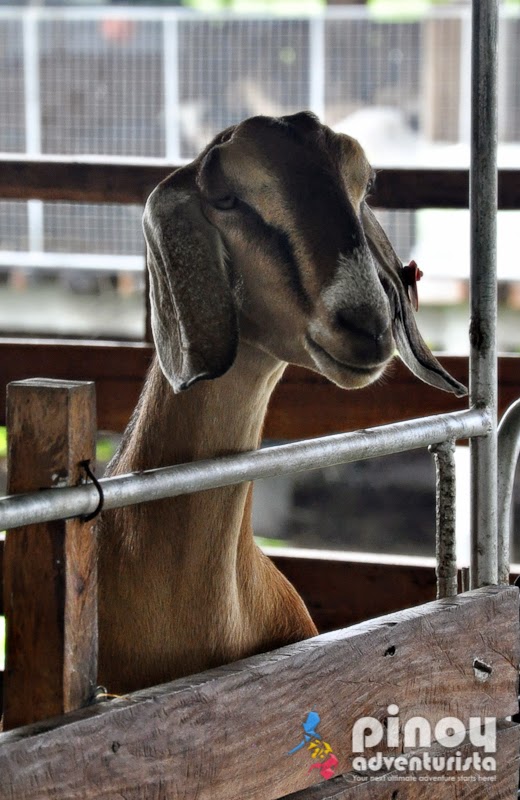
(99, 507)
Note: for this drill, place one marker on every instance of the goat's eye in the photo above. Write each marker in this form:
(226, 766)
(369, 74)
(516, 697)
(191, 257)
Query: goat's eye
(225, 203)
(370, 185)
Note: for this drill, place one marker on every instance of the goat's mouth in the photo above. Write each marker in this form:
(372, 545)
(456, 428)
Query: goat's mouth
(346, 375)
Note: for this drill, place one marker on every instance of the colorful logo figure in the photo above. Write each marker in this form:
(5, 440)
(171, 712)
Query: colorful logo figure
(320, 750)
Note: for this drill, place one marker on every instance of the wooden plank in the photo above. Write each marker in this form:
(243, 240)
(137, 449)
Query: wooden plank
(468, 785)
(118, 371)
(50, 589)
(340, 592)
(123, 181)
(225, 734)
(306, 404)
(74, 180)
(303, 405)
(437, 188)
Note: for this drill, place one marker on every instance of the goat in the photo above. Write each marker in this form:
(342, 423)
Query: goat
(262, 251)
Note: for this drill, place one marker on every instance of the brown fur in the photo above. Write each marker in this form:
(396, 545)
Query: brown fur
(183, 587)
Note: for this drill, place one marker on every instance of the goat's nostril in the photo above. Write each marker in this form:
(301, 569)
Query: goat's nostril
(344, 321)
(361, 328)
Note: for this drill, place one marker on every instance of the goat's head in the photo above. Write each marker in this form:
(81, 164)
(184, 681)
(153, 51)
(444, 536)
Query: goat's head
(267, 235)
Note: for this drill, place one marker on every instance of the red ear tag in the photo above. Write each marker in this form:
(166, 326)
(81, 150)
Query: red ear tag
(410, 276)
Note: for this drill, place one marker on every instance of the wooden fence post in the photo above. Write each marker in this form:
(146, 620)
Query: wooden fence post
(50, 586)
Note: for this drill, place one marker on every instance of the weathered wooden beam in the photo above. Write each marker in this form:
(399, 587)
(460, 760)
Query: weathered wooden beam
(50, 591)
(470, 784)
(70, 179)
(226, 734)
(124, 181)
(304, 404)
(118, 370)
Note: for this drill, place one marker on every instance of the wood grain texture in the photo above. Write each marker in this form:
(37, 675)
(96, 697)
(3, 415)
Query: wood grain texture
(122, 181)
(303, 405)
(437, 188)
(50, 590)
(118, 370)
(225, 734)
(70, 179)
(339, 592)
(470, 785)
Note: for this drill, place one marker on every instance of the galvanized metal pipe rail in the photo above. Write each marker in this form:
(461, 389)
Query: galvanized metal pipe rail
(508, 454)
(483, 288)
(77, 501)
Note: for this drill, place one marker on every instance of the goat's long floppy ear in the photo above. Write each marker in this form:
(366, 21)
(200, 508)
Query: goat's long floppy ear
(409, 341)
(194, 317)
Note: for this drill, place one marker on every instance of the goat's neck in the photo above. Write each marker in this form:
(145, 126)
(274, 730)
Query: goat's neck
(182, 577)
(213, 418)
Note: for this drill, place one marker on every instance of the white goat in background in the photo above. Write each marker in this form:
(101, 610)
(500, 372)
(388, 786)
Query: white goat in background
(261, 252)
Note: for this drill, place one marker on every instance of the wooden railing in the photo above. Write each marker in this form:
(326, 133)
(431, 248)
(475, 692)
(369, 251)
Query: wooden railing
(125, 181)
(304, 403)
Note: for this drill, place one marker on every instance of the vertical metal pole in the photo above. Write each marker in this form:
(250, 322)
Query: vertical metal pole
(445, 548)
(483, 363)
(172, 129)
(317, 66)
(508, 454)
(33, 133)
